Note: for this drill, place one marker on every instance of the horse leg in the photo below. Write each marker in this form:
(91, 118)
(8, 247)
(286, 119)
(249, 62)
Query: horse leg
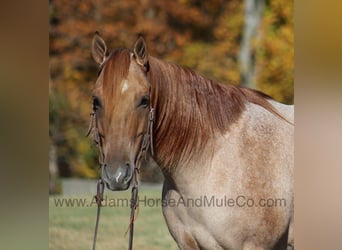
(251, 246)
(187, 242)
(184, 239)
(290, 242)
(282, 243)
(172, 215)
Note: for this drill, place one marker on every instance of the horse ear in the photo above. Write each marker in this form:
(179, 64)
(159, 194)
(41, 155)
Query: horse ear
(99, 49)
(140, 52)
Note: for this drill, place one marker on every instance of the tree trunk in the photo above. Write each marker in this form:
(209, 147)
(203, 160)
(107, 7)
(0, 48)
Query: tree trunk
(98, 11)
(253, 14)
(53, 170)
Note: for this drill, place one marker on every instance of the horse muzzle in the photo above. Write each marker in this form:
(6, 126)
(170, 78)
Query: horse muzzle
(118, 179)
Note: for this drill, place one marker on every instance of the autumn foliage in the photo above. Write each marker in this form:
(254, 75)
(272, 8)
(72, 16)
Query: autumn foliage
(202, 35)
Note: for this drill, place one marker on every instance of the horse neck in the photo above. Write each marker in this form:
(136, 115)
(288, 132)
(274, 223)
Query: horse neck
(190, 110)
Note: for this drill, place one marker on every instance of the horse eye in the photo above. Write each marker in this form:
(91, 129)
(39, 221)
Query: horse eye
(144, 101)
(96, 103)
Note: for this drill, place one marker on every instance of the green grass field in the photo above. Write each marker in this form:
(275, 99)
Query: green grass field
(72, 227)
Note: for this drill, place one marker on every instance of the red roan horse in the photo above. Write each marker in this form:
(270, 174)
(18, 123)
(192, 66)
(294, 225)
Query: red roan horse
(228, 147)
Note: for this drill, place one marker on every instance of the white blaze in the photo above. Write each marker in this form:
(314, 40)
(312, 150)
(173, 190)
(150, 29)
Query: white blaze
(124, 87)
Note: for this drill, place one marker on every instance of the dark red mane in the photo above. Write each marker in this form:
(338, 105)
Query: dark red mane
(190, 109)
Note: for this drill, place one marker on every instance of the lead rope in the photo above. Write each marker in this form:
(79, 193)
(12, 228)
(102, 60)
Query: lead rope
(134, 206)
(99, 198)
(97, 137)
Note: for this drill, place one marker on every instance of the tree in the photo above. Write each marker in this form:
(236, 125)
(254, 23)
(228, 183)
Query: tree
(275, 52)
(253, 15)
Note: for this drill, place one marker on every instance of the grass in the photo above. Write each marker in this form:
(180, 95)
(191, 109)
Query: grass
(72, 227)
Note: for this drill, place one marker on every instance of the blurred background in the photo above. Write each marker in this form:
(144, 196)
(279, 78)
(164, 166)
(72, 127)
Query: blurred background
(239, 42)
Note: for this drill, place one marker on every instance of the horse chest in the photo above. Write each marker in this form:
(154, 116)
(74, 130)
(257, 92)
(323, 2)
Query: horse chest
(182, 222)
(190, 224)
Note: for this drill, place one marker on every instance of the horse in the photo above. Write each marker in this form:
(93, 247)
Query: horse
(226, 152)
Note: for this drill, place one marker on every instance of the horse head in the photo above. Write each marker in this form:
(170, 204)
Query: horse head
(121, 102)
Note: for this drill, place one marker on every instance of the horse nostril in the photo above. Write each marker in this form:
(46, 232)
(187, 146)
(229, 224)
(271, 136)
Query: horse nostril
(128, 173)
(104, 171)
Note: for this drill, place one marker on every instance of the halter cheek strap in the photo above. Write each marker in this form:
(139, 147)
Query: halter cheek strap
(97, 137)
(147, 142)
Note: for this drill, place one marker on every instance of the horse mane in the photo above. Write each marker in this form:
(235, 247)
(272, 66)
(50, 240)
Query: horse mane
(191, 109)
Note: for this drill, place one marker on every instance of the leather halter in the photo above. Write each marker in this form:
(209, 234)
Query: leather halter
(146, 144)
